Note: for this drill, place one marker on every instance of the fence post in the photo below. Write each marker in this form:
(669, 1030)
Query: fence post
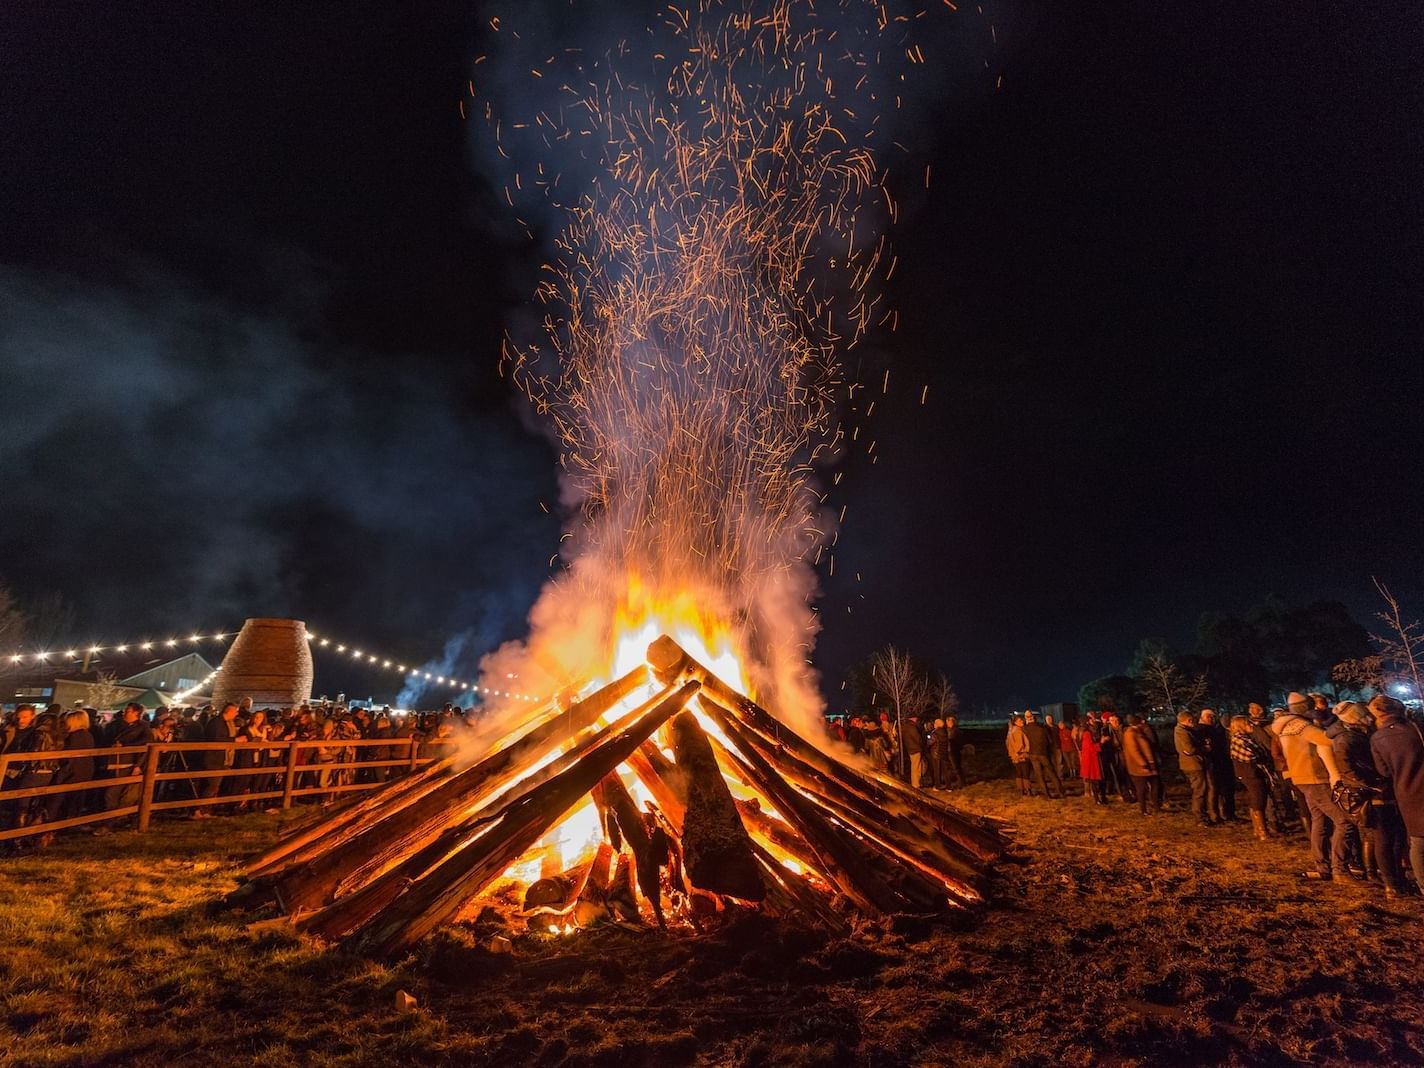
(145, 800)
(289, 783)
(414, 753)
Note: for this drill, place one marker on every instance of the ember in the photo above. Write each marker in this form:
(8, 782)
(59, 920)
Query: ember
(744, 814)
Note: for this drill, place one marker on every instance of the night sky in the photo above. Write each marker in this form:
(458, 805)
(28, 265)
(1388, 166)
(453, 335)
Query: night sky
(1165, 291)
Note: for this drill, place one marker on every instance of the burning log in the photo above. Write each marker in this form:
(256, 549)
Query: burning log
(792, 894)
(354, 855)
(555, 895)
(631, 827)
(436, 896)
(715, 847)
(669, 662)
(596, 899)
(620, 897)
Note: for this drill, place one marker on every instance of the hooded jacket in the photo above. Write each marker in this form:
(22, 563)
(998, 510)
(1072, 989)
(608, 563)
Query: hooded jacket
(1310, 755)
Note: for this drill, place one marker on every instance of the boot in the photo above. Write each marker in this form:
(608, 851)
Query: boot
(1258, 824)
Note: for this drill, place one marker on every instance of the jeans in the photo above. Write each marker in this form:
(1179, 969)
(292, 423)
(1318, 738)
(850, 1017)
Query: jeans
(1326, 848)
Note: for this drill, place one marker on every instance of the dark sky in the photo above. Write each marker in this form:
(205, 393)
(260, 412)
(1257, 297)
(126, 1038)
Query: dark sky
(1165, 290)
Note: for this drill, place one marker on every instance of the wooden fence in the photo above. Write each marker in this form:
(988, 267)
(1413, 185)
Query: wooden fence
(135, 770)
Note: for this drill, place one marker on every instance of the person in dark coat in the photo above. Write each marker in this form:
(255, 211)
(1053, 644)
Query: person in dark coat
(77, 735)
(939, 756)
(1219, 767)
(1360, 795)
(956, 750)
(1397, 746)
(1041, 746)
(39, 738)
(855, 736)
(132, 733)
(912, 749)
(15, 735)
(221, 728)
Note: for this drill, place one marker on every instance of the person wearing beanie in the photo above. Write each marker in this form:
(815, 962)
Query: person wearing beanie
(1397, 746)
(1310, 762)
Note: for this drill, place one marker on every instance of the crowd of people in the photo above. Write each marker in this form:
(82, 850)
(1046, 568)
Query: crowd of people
(1349, 776)
(927, 750)
(35, 741)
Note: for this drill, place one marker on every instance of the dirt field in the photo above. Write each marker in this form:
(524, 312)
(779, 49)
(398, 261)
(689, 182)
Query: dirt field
(1113, 939)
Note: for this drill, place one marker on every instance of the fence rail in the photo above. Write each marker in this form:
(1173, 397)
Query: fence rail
(132, 777)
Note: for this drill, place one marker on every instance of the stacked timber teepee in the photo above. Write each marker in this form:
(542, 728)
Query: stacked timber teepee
(386, 871)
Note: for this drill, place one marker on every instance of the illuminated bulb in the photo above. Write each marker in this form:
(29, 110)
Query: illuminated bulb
(41, 656)
(16, 658)
(196, 638)
(355, 652)
(146, 645)
(325, 641)
(172, 641)
(72, 653)
(93, 649)
(386, 664)
(121, 648)
(341, 648)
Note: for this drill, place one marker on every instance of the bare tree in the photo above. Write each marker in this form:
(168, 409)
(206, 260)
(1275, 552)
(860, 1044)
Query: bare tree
(943, 695)
(1166, 687)
(104, 691)
(904, 684)
(1402, 646)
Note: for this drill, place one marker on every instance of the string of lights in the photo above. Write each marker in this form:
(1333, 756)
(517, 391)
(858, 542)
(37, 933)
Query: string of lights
(394, 665)
(179, 698)
(75, 652)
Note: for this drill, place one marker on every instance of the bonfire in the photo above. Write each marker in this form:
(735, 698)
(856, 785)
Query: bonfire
(662, 797)
(718, 214)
